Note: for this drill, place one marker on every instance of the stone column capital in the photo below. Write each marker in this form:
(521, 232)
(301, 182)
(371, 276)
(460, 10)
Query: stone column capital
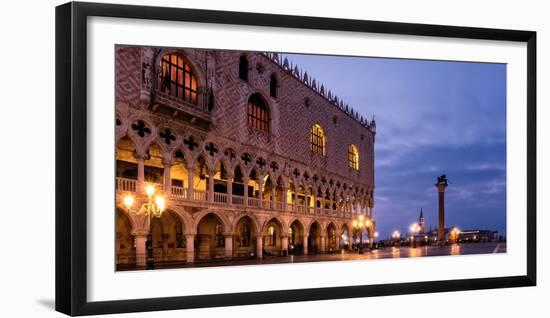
(441, 187)
(140, 233)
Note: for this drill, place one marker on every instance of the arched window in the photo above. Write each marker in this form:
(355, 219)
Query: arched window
(178, 78)
(243, 68)
(317, 140)
(273, 86)
(353, 157)
(258, 113)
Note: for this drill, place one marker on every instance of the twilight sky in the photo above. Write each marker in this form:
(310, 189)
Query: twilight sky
(433, 118)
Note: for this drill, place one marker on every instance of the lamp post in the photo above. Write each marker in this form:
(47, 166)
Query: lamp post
(396, 236)
(361, 225)
(454, 234)
(152, 208)
(415, 228)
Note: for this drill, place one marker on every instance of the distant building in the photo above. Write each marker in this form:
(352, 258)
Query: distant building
(478, 236)
(421, 221)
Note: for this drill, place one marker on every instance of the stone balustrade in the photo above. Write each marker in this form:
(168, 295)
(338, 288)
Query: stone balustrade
(181, 193)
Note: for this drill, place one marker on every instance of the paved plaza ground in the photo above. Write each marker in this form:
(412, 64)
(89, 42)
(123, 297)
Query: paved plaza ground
(388, 252)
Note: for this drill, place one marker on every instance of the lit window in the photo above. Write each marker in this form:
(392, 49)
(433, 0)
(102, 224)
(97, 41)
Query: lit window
(317, 140)
(258, 113)
(178, 78)
(353, 157)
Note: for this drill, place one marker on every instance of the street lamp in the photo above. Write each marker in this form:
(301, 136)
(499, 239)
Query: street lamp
(361, 225)
(152, 208)
(149, 208)
(454, 233)
(397, 237)
(415, 228)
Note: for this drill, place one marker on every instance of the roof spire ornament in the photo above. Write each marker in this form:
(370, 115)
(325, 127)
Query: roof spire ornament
(285, 64)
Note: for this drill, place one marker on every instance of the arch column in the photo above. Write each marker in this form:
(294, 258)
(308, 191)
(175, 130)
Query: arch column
(273, 199)
(260, 190)
(167, 177)
(229, 188)
(228, 246)
(295, 199)
(259, 246)
(284, 244)
(323, 243)
(338, 247)
(140, 173)
(211, 174)
(304, 243)
(314, 198)
(190, 173)
(141, 248)
(284, 195)
(245, 194)
(190, 248)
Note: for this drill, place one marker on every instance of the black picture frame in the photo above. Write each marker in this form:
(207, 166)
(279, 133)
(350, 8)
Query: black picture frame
(71, 157)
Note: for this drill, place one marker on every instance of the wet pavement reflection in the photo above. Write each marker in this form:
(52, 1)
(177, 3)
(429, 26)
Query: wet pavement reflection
(388, 252)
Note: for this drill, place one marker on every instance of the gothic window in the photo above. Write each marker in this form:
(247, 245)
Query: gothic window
(178, 78)
(317, 140)
(220, 240)
(273, 86)
(258, 113)
(243, 68)
(353, 157)
(271, 236)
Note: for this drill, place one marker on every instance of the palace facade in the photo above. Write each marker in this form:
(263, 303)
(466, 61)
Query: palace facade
(254, 157)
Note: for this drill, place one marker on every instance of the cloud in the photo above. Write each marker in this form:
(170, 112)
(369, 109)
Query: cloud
(432, 118)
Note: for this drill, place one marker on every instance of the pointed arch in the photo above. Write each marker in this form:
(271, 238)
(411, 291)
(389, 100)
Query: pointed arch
(317, 140)
(178, 78)
(258, 113)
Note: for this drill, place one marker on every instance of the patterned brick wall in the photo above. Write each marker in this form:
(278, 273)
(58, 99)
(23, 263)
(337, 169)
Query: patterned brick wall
(291, 117)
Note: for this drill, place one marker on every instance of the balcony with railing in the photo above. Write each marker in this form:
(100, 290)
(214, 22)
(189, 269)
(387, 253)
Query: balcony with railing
(182, 193)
